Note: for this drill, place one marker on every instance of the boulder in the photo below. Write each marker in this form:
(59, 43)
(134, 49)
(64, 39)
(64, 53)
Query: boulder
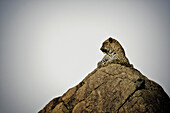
(114, 88)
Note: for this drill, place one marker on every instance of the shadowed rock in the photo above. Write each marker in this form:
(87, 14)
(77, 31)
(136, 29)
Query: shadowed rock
(114, 88)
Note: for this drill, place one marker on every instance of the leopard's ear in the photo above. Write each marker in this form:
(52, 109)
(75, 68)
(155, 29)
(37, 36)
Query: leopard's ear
(110, 40)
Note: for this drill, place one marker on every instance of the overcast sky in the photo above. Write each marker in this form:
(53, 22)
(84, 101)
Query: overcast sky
(47, 47)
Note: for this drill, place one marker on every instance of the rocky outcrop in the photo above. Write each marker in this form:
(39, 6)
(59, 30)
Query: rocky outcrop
(114, 88)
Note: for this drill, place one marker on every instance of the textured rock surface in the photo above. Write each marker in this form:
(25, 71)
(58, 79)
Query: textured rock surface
(114, 88)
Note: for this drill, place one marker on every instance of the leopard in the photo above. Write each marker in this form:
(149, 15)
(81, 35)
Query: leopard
(114, 54)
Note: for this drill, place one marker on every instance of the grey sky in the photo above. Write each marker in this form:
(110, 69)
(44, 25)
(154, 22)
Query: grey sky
(47, 47)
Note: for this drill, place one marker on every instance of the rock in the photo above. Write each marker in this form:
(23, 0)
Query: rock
(114, 88)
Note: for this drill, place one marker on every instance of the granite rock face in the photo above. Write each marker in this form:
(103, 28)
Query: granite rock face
(114, 88)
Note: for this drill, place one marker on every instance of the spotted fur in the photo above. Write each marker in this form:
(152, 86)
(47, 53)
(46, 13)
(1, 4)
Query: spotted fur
(114, 53)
